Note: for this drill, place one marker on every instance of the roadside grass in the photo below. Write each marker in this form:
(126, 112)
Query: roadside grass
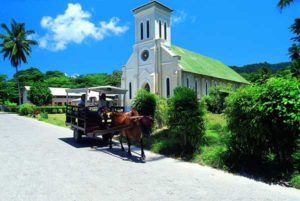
(55, 119)
(213, 147)
(211, 151)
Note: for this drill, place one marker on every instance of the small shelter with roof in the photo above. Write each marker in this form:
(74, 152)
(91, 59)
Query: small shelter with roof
(159, 67)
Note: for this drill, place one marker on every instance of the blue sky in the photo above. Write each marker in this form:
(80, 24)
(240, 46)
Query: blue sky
(233, 31)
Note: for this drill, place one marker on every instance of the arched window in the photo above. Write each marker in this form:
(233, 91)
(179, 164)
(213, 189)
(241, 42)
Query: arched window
(142, 31)
(147, 87)
(168, 87)
(130, 91)
(196, 87)
(148, 29)
(206, 87)
(159, 29)
(165, 26)
(187, 83)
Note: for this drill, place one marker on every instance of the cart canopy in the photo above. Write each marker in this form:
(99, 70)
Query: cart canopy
(101, 89)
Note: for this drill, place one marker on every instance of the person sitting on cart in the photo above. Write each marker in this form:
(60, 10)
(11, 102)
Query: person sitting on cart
(82, 101)
(103, 108)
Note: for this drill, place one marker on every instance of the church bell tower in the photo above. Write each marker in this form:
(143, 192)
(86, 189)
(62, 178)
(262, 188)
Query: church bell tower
(152, 31)
(152, 22)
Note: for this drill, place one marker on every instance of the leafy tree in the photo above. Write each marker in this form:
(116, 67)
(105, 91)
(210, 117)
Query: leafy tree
(29, 76)
(115, 78)
(16, 46)
(12, 90)
(284, 3)
(54, 73)
(40, 94)
(3, 92)
(61, 81)
(294, 50)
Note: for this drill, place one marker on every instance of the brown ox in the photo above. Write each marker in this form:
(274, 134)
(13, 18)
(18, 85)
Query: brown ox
(137, 127)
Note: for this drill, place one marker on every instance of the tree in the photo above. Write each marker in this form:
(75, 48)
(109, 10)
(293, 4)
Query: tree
(29, 76)
(294, 50)
(16, 46)
(284, 3)
(40, 94)
(54, 73)
(3, 92)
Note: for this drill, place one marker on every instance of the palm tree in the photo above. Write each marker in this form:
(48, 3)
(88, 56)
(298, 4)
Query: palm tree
(16, 46)
(284, 3)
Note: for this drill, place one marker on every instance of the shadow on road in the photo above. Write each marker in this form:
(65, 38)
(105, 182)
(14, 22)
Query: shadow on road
(86, 142)
(118, 153)
(99, 145)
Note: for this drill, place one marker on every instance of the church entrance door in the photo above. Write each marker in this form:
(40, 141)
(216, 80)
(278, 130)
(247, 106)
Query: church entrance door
(146, 86)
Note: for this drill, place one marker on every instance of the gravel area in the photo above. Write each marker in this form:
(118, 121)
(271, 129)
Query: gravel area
(40, 162)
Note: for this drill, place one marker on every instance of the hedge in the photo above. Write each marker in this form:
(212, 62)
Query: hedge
(52, 109)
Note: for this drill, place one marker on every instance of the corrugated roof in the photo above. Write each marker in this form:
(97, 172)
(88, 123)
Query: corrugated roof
(199, 64)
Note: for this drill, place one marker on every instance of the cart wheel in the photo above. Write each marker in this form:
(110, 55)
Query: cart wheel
(105, 138)
(77, 135)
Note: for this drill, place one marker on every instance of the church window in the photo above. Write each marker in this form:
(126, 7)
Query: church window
(142, 31)
(165, 26)
(187, 83)
(196, 87)
(130, 90)
(148, 29)
(159, 29)
(168, 87)
(206, 87)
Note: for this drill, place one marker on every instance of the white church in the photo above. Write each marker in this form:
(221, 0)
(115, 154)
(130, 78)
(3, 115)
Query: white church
(159, 67)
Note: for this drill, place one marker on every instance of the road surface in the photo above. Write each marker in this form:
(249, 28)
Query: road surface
(40, 162)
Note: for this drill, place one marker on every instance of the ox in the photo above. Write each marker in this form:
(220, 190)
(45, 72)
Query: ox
(136, 127)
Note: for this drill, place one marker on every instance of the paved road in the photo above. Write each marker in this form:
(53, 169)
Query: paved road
(40, 162)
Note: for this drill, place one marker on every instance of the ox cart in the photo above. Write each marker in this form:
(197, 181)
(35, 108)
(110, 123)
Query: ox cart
(86, 120)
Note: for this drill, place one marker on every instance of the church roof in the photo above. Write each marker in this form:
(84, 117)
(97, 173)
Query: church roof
(151, 4)
(199, 64)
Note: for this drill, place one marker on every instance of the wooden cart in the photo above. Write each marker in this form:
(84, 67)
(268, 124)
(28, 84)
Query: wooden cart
(86, 120)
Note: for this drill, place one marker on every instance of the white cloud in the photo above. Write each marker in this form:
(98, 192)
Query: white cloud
(181, 16)
(74, 26)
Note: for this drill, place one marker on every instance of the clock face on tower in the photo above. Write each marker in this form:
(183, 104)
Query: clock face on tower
(145, 55)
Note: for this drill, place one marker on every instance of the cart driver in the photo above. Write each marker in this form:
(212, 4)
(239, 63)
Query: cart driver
(103, 107)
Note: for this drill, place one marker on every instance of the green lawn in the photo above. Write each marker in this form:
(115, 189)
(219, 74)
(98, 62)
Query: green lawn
(55, 119)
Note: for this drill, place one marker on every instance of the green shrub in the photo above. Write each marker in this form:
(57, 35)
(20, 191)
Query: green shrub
(186, 119)
(161, 113)
(145, 103)
(10, 106)
(295, 181)
(215, 101)
(44, 115)
(52, 109)
(264, 121)
(26, 109)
